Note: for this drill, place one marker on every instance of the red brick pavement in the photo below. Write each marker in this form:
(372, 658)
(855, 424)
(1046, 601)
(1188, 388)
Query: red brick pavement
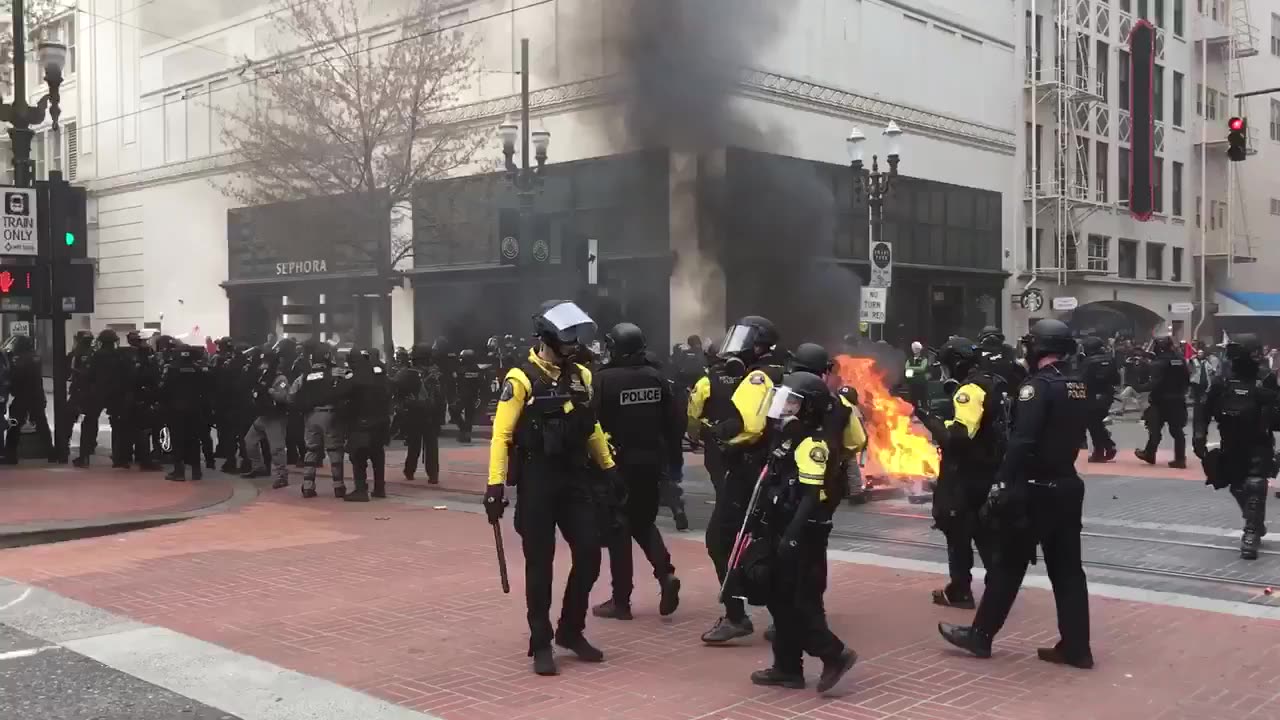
(44, 494)
(403, 603)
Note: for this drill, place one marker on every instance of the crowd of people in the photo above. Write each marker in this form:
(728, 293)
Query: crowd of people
(591, 436)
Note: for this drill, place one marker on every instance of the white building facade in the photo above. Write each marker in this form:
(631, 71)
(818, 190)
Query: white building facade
(143, 132)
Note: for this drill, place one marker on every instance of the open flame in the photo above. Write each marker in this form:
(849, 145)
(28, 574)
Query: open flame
(901, 450)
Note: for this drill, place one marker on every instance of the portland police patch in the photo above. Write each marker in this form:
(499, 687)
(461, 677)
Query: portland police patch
(756, 379)
(508, 392)
(962, 398)
(1026, 392)
(818, 455)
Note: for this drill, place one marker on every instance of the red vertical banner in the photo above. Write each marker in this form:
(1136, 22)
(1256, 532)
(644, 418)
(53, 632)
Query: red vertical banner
(1142, 48)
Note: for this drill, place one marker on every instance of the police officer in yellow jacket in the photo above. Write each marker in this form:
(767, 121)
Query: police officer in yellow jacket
(710, 403)
(798, 499)
(742, 438)
(842, 430)
(972, 444)
(544, 437)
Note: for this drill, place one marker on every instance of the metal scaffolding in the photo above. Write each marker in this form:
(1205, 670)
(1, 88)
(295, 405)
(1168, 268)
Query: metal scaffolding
(1071, 89)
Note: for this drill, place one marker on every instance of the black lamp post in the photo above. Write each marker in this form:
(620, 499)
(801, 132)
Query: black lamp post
(871, 186)
(526, 180)
(20, 115)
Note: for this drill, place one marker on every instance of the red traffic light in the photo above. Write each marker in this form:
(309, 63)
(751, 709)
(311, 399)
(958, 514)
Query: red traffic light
(1235, 124)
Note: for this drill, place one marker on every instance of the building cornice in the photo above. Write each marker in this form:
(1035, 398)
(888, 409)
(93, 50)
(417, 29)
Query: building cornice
(794, 92)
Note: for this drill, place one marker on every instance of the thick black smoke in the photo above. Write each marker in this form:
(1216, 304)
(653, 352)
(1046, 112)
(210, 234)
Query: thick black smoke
(763, 222)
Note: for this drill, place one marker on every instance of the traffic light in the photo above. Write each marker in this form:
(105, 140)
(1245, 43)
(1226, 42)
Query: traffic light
(68, 221)
(1237, 138)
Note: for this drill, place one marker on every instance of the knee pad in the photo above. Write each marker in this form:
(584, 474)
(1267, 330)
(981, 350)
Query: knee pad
(1255, 486)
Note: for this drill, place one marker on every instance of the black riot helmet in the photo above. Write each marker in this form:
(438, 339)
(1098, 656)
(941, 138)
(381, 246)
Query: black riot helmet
(421, 354)
(991, 337)
(133, 338)
(467, 355)
(108, 339)
(1092, 345)
(251, 355)
(959, 356)
(84, 338)
(750, 338)
(1048, 337)
(563, 326)
(402, 355)
(441, 345)
(624, 339)
(286, 348)
(803, 396)
(270, 359)
(166, 343)
(1244, 352)
(360, 360)
(224, 344)
(322, 354)
(1162, 344)
(811, 358)
(491, 344)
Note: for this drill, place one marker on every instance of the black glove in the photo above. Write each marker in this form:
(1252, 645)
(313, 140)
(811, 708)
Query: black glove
(787, 550)
(1005, 508)
(495, 502)
(617, 487)
(1199, 446)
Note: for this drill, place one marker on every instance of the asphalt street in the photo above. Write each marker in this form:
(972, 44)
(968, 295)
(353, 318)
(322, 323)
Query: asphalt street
(41, 681)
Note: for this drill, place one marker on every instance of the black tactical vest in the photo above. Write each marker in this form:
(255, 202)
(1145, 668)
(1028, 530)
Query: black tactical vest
(547, 430)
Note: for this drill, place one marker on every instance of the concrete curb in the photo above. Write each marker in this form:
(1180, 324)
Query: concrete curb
(243, 492)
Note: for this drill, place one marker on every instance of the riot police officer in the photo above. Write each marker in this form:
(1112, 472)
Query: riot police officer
(369, 421)
(319, 394)
(219, 372)
(26, 384)
(78, 394)
(1247, 410)
(742, 436)
(544, 436)
(999, 358)
(144, 413)
(711, 403)
(470, 385)
(1101, 376)
(1038, 498)
(800, 500)
(270, 404)
(108, 380)
(1168, 402)
(641, 416)
(972, 443)
(420, 399)
(184, 390)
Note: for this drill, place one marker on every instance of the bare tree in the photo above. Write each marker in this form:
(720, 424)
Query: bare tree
(352, 110)
(37, 13)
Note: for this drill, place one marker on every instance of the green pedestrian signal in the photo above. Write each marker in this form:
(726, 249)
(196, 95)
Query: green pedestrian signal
(71, 239)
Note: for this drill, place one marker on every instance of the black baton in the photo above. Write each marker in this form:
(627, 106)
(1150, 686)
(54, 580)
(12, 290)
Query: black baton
(502, 558)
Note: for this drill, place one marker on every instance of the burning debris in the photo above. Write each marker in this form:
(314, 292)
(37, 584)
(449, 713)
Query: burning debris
(900, 450)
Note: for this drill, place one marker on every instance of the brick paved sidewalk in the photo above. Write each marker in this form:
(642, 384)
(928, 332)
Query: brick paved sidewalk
(37, 494)
(402, 602)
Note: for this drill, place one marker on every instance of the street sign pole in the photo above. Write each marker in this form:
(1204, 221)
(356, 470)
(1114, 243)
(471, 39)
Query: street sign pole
(59, 200)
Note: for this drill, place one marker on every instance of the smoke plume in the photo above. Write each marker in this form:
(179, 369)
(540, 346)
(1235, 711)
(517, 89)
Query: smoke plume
(752, 225)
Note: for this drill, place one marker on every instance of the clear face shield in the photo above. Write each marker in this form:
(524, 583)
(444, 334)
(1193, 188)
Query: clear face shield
(785, 403)
(738, 339)
(574, 328)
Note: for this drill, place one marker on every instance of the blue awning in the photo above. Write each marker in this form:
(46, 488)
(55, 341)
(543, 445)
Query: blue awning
(1240, 303)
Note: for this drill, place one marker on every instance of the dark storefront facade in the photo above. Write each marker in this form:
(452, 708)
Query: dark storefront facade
(475, 277)
(313, 268)
(797, 251)
(792, 244)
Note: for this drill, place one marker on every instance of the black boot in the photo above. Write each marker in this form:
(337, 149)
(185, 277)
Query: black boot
(578, 645)
(280, 483)
(197, 473)
(670, 600)
(81, 461)
(613, 610)
(1056, 656)
(835, 669)
(544, 662)
(340, 491)
(360, 494)
(773, 677)
(968, 638)
(252, 473)
(1146, 457)
(950, 597)
(379, 482)
(1109, 454)
(229, 466)
(308, 492)
(725, 630)
(176, 476)
(1250, 542)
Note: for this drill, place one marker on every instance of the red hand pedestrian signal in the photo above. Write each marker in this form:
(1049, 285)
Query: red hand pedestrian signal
(6, 282)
